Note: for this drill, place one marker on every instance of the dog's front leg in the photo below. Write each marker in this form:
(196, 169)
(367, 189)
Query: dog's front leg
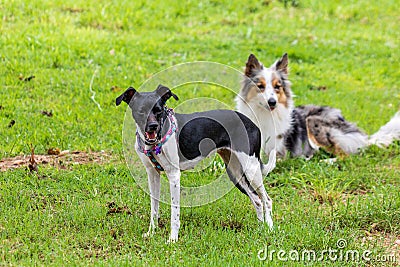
(174, 177)
(154, 187)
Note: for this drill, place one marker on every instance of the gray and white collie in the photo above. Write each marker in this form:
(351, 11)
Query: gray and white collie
(266, 98)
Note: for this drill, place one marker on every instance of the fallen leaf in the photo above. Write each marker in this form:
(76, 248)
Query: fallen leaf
(115, 89)
(111, 204)
(319, 88)
(266, 2)
(47, 113)
(113, 233)
(11, 124)
(232, 225)
(27, 79)
(114, 209)
(74, 10)
(53, 151)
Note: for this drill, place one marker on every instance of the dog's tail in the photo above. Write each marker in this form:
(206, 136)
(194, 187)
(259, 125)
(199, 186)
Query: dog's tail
(387, 133)
(335, 134)
(267, 168)
(350, 143)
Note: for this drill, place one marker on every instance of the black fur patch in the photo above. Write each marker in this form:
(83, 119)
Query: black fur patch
(196, 127)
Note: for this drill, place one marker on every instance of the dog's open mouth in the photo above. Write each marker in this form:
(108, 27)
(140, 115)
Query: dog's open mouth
(151, 137)
(271, 108)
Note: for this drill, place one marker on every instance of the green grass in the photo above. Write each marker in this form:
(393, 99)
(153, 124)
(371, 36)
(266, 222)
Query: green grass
(60, 217)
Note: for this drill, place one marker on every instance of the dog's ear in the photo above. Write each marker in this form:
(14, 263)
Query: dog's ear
(126, 96)
(251, 65)
(282, 64)
(165, 93)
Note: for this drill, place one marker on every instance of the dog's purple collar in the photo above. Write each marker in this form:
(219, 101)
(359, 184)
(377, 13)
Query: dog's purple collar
(157, 147)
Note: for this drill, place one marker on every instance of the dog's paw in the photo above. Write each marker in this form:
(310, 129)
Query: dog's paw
(329, 161)
(172, 239)
(268, 221)
(260, 216)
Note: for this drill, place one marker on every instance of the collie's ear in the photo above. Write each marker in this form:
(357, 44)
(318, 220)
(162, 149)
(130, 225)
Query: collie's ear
(165, 93)
(126, 96)
(282, 64)
(251, 65)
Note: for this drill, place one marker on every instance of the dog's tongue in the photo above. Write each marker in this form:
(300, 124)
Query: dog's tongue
(151, 135)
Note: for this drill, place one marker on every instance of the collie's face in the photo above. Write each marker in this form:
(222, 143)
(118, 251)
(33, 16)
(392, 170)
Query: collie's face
(267, 87)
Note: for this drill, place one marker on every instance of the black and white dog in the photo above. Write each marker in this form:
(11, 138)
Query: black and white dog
(267, 99)
(173, 142)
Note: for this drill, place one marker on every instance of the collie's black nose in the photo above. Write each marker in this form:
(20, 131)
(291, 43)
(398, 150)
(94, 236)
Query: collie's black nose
(152, 126)
(271, 102)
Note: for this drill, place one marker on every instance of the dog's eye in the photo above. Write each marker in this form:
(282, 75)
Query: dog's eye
(261, 86)
(278, 87)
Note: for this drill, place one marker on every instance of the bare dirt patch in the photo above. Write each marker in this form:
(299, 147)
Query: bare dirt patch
(63, 160)
(114, 208)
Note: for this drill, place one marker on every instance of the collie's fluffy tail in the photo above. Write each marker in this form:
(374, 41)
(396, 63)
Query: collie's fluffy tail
(350, 143)
(336, 135)
(339, 136)
(267, 168)
(387, 133)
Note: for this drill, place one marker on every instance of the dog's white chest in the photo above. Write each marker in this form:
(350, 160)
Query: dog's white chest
(273, 125)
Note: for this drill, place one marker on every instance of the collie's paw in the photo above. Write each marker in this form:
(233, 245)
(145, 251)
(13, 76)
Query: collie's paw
(329, 161)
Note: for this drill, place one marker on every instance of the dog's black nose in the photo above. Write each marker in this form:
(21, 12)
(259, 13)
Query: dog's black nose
(271, 102)
(152, 126)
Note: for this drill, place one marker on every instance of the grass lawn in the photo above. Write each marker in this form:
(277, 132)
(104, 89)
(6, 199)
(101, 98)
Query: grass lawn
(61, 58)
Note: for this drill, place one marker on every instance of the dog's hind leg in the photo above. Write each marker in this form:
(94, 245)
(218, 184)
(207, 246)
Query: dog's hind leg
(252, 171)
(243, 185)
(154, 187)
(237, 176)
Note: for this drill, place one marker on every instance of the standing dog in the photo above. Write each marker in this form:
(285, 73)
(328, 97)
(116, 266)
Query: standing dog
(173, 142)
(266, 98)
